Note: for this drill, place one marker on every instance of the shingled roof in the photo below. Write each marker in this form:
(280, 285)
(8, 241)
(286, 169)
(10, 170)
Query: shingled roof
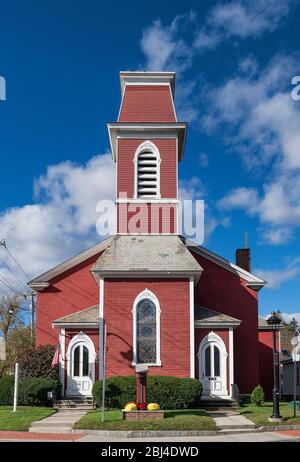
(87, 316)
(205, 316)
(147, 254)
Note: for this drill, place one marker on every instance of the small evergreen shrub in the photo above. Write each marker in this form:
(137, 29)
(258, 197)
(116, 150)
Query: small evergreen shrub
(168, 392)
(258, 396)
(36, 362)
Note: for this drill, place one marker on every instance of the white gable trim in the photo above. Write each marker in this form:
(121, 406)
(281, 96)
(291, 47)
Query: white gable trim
(41, 282)
(252, 281)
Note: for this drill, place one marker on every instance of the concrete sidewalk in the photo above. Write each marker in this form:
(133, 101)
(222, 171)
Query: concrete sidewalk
(228, 419)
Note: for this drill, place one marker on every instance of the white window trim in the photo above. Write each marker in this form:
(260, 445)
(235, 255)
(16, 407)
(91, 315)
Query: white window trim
(81, 338)
(149, 295)
(146, 145)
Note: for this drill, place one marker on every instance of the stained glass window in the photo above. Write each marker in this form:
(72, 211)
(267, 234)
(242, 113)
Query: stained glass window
(146, 332)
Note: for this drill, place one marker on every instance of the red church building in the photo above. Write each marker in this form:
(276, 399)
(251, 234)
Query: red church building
(159, 299)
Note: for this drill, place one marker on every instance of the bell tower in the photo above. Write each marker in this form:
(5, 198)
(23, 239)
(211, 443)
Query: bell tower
(147, 142)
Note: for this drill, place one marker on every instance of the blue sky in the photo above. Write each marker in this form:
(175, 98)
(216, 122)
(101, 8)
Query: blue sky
(234, 62)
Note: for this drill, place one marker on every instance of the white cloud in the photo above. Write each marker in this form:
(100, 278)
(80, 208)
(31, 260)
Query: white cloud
(277, 277)
(289, 316)
(62, 221)
(262, 123)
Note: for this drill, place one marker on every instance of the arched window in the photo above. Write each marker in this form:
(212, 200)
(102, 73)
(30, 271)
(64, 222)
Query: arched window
(81, 361)
(147, 171)
(146, 319)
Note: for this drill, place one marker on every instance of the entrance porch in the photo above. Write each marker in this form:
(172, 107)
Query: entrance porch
(214, 348)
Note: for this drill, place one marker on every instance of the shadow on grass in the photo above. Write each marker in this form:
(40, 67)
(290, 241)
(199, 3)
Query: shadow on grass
(187, 412)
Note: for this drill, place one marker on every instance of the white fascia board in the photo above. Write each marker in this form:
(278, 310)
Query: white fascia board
(75, 325)
(146, 274)
(217, 324)
(147, 78)
(252, 280)
(145, 131)
(42, 281)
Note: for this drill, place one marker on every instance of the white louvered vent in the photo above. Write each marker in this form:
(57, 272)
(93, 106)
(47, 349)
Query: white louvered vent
(147, 174)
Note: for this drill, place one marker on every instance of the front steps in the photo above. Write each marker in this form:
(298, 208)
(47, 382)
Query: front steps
(78, 403)
(219, 404)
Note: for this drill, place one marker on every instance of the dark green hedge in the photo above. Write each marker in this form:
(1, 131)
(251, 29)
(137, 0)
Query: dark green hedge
(31, 391)
(168, 392)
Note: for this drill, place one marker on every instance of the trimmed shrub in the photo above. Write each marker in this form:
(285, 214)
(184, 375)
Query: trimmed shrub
(258, 396)
(168, 392)
(36, 362)
(31, 392)
(118, 391)
(7, 390)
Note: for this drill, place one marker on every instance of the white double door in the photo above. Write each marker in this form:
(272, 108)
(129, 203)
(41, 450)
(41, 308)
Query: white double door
(81, 370)
(213, 373)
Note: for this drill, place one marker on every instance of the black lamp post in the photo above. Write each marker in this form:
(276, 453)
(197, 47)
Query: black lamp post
(274, 323)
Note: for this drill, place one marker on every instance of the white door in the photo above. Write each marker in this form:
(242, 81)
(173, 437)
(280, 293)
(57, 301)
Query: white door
(213, 369)
(81, 371)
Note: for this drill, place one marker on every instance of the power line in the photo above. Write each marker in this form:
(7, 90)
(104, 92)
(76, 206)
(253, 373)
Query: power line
(16, 277)
(3, 243)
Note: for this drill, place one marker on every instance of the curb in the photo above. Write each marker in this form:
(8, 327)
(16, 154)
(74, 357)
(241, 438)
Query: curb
(278, 428)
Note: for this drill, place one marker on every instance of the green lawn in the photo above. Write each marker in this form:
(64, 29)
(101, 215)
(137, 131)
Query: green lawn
(260, 414)
(189, 419)
(22, 418)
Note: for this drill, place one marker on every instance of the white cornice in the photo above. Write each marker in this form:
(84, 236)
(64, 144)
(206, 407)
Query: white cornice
(145, 130)
(147, 78)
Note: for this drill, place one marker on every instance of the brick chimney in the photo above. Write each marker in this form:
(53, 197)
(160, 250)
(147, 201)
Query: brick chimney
(243, 256)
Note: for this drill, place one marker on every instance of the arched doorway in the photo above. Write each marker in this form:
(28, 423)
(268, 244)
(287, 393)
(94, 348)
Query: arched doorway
(213, 365)
(81, 357)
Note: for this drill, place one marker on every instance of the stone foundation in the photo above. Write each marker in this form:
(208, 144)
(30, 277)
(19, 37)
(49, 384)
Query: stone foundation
(141, 415)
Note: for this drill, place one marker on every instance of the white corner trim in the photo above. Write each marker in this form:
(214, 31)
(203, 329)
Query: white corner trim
(62, 341)
(101, 327)
(192, 329)
(231, 360)
(151, 296)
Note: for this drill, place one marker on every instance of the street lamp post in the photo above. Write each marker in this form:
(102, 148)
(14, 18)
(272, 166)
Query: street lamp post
(274, 323)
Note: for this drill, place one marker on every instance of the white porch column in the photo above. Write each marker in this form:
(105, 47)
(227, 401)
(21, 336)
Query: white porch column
(62, 341)
(231, 360)
(101, 327)
(192, 330)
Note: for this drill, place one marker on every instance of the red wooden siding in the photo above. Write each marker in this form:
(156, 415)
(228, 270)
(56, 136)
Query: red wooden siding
(147, 218)
(168, 166)
(173, 295)
(223, 291)
(145, 103)
(265, 338)
(72, 291)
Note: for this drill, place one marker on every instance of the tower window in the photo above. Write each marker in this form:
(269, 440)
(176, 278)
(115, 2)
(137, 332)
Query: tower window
(147, 172)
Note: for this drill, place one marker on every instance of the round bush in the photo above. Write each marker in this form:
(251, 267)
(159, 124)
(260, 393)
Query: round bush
(168, 392)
